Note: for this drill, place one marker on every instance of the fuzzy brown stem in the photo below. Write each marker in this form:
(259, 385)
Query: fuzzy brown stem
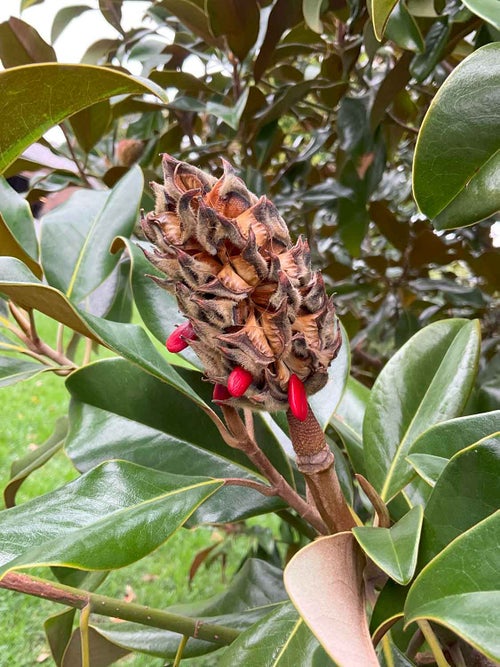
(384, 519)
(264, 465)
(316, 462)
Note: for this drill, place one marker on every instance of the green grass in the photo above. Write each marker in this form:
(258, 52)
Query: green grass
(28, 412)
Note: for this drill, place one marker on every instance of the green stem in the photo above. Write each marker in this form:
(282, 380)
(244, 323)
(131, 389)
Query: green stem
(432, 640)
(84, 635)
(127, 611)
(180, 651)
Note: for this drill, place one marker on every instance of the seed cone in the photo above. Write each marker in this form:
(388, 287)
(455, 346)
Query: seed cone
(247, 290)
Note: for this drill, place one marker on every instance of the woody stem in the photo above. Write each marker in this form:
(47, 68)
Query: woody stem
(316, 462)
(282, 488)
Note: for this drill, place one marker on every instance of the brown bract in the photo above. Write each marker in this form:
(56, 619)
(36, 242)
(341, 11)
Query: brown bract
(248, 291)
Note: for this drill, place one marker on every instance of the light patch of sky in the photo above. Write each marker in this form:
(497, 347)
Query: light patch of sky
(82, 31)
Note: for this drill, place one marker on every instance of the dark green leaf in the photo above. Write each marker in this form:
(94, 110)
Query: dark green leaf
(90, 124)
(22, 468)
(191, 439)
(457, 157)
(435, 41)
(20, 44)
(403, 29)
(101, 651)
(193, 17)
(444, 440)
(347, 420)
(14, 370)
(427, 381)
(57, 91)
(128, 340)
(58, 629)
(112, 12)
(380, 12)
(459, 587)
(280, 639)
(394, 549)
(88, 223)
(465, 493)
(486, 9)
(106, 513)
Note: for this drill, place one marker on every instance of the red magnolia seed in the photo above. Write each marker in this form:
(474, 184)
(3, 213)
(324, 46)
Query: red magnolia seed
(177, 341)
(220, 393)
(238, 381)
(297, 398)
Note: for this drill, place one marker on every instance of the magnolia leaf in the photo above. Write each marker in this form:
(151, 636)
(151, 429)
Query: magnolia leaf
(88, 223)
(23, 467)
(427, 381)
(347, 420)
(459, 588)
(394, 549)
(280, 639)
(113, 516)
(380, 11)
(14, 370)
(456, 166)
(325, 582)
(56, 92)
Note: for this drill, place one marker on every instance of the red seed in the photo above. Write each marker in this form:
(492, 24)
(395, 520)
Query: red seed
(238, 381)
(220, 393)
(297, 398)
(177, 341)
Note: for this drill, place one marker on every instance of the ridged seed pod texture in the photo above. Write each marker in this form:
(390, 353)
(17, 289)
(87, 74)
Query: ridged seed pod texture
(257, 316)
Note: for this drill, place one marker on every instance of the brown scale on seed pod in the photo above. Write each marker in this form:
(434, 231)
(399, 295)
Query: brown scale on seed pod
(257, 315)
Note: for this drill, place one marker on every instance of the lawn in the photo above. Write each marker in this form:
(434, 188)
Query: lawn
(28, 412)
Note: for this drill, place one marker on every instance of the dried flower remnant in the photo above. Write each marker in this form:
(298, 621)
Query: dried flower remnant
(259, 318)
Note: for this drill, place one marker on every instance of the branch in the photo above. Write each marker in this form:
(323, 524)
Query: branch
(246, 444)
(316, 462)
(127, 611)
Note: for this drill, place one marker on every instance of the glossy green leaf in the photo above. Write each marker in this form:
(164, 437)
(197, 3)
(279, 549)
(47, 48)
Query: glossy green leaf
(280, 639)
(72, 87)
(192, 16)
(237, 21)
(90, 124)
(97, 435)
(394, 549)
(457, 158)
(113, 516)
(58, 629)
(433, 449)
(465, 493)
(486, 9)
(459, 588)
(312, 12)
(391, 656)
(23, 467)
(435, 41)
(87, 224)
(380, 11)
(157, 307)
(325, 401)
(21, 44)
(255, 591)
(427, 381)
(347, 420)
(403, 29)
(63, 17)
(17, 215)
(14, 370)
(324, 582)
(102, 652)
(129, 340)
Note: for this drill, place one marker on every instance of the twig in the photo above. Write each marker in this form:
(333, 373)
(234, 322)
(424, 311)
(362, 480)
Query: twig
(264, 465)
(384, 519)
(433, 642)
(250, 483)
(83, 176)
(127, 611)
(84, 635)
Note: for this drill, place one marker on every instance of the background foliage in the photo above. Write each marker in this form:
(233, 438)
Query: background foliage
(333, 109)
